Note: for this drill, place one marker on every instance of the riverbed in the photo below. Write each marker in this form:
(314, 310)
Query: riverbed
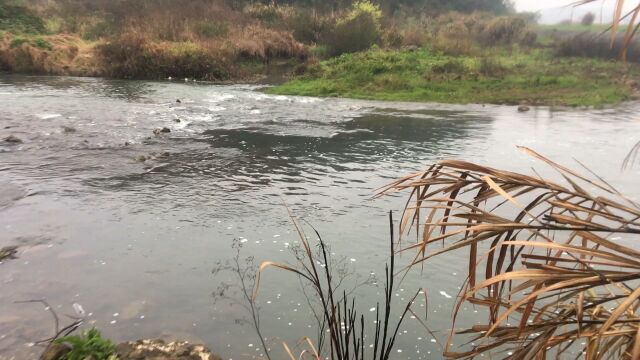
(129, 224)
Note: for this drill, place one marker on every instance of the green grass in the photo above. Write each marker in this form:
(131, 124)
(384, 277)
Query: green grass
(20, 20)
(503, 78)
(38, 42)
(89, 345)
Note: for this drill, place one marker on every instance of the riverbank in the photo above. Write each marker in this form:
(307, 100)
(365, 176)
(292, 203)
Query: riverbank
(532, 77)
(262, 56)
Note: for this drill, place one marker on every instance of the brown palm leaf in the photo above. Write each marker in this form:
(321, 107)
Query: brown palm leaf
(560, 259)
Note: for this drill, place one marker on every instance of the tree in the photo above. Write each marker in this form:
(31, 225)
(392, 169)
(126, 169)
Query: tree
(588, 19)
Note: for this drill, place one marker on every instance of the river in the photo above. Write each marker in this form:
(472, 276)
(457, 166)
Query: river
(134, 242)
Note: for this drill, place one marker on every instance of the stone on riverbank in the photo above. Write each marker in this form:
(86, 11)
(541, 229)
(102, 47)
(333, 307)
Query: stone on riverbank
(160, 350)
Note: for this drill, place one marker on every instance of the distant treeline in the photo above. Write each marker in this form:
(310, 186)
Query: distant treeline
(389, 6)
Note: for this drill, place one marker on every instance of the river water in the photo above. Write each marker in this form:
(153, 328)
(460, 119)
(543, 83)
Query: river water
(134, 242)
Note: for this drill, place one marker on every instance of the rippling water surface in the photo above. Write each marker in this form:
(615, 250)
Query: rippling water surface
(135, 241)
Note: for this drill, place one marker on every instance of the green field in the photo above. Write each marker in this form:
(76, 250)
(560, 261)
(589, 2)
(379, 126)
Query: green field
(534, 77)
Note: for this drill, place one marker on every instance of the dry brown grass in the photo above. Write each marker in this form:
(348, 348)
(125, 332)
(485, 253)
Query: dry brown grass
(256, 42)
(68, 56)
(553, 265)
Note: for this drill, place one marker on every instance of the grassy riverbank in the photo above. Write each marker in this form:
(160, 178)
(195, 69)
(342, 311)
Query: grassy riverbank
(534, 77)
(357, 51)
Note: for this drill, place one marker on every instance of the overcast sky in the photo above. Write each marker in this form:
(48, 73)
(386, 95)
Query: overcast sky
(557, 10)
(535, 5)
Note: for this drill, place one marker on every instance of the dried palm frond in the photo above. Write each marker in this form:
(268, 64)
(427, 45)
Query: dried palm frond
(558, 259)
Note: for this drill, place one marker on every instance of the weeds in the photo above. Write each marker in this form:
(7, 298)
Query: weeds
(89, 344)
(346, 327)
(245, 273)
(20, 20)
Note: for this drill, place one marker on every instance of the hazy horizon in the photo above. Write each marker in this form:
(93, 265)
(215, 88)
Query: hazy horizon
(555, 11)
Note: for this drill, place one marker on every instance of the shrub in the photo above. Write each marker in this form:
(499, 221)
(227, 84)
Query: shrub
(89, 345)
(358, 30)
(454, 39)
(491, 68)
(504, 30)
(270, 13)
(449, 67)
(133, 56)
(590, 46)
(211, 29)
(42, 44)
(392, 38)
(258, 43)
(414, 36)
(588, 19)
(309, 27)
(18, 41)
(19, 20)
(98, 30)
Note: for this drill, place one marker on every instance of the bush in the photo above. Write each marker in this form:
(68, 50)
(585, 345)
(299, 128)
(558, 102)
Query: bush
(590, 46)
(309, 27)
(42, 44)
(449, 67)
(133, 56)
(18, 41)
(357, 31)
(211, 29)
(20, 20)
(98, 30)
(89, 345)
(455, 39)
(269, 13)
(588, 19)
(392, 38)
(258, 43)
(504, 30)
(491, 68)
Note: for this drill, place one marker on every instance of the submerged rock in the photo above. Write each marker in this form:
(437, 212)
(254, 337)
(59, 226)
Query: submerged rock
(160, 350)
(68, 130)
(8, 252)
(13, 140)
(163, 130)
(523, 108)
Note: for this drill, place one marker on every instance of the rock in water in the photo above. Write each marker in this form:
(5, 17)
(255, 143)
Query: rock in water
(8, 252)
(163, 130)
(523, 108)
(68, 130)
(55, 351)
(160, 350)
(13, 140)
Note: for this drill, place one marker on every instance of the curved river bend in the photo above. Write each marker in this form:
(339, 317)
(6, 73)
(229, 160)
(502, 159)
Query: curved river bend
(134, 242)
